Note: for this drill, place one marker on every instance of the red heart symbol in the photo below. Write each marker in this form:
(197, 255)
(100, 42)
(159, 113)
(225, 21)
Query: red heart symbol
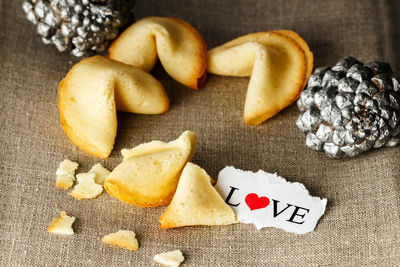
(254, 202)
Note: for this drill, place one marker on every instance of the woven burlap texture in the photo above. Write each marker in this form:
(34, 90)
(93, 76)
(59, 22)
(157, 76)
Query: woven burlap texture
(360, 227)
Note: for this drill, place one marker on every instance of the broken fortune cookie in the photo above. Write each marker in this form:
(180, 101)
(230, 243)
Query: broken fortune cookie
(196, 202)
(149, 173)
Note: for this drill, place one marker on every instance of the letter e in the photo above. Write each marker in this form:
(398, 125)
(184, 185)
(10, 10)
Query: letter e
(298, 214)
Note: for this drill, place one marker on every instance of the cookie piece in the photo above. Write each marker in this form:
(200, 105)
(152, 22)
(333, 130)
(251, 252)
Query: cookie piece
(149, 173)
(122, 238)
(66, 173)
(86, 188)
(172, 258)
(62, 225)
(100, 172)
(196, 202)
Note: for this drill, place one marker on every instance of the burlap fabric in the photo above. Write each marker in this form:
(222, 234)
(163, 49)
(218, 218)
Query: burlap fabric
(361, 226)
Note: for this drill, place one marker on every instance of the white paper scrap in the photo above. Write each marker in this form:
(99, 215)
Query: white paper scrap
(268, 200)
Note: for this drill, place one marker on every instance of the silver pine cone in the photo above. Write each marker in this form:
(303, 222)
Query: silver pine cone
(81, 27)
(350, 108)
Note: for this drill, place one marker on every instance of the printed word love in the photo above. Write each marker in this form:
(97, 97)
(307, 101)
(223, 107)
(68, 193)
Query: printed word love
(254, 202)
(267, 200)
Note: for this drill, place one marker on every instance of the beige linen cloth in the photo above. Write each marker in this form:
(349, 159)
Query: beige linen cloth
(361, 226)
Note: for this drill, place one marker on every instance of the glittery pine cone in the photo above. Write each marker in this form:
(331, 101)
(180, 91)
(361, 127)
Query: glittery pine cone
(350, 108)
(81, 27)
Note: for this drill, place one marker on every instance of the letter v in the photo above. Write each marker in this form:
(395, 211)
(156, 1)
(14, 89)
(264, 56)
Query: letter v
(276, 207)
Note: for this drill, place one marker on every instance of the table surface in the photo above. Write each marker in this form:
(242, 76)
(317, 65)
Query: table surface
(361, 225)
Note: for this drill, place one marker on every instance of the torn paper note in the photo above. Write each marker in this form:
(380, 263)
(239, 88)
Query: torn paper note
(268, 200)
